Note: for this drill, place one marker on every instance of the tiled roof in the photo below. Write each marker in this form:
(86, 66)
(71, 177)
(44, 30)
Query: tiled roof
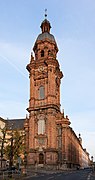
(15, 124)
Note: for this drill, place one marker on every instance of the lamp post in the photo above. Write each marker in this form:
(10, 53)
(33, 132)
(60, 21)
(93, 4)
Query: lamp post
(92, 164)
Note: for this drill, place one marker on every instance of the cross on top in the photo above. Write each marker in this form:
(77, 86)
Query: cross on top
(45, 12)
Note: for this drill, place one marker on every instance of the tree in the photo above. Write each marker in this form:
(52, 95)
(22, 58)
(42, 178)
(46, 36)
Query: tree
(15, 147)
(2, 142)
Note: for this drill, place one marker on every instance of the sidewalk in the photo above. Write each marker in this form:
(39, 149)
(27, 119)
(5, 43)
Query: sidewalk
(93, 176)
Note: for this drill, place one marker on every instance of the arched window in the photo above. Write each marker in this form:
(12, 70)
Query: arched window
(41, 92)
(41, 126)
(42, 53)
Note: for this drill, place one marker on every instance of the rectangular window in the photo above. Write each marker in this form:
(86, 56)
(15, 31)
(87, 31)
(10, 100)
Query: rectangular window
(41, 92)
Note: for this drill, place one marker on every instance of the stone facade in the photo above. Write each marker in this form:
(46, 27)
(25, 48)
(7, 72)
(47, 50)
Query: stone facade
(50, 141)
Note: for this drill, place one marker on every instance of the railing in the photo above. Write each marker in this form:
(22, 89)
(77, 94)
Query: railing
(6, 175)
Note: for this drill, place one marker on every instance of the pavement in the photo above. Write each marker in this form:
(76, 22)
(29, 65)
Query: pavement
(93, 175)
(34, 173)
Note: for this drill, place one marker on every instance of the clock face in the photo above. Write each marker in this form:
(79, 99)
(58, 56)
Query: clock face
(41, 68)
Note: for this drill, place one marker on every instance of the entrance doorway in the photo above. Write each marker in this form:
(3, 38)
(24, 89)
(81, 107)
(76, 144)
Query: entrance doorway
(41, 158)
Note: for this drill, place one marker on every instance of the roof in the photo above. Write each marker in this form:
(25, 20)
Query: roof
(1, 119)
(15, 124)
(45, 21)
(46, 35)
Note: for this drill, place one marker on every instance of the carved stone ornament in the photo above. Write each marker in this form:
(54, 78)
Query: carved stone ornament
(41, 116)
(57, 81)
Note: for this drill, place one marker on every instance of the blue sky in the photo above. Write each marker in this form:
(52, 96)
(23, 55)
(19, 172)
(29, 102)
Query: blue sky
(73, 25)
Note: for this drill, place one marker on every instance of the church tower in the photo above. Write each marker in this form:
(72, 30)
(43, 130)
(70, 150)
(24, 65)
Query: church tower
(44, 126)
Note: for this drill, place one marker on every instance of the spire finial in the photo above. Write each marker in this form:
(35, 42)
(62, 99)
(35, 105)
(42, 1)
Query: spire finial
(45, 13)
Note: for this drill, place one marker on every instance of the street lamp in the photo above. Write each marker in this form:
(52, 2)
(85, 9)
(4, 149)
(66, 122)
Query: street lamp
(92, 164)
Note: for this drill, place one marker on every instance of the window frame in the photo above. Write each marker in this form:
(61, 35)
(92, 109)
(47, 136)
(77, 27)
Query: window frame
(41, 92)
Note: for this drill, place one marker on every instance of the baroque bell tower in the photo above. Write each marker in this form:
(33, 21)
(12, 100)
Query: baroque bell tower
(45, 116)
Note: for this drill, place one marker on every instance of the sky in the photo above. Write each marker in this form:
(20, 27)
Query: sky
(73, 26)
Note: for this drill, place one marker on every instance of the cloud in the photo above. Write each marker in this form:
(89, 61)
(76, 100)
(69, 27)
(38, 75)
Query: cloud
(10, 109)
(13, 80)
(16, 55)
(13, 58)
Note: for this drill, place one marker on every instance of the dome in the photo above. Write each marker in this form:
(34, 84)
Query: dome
(46, 35)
